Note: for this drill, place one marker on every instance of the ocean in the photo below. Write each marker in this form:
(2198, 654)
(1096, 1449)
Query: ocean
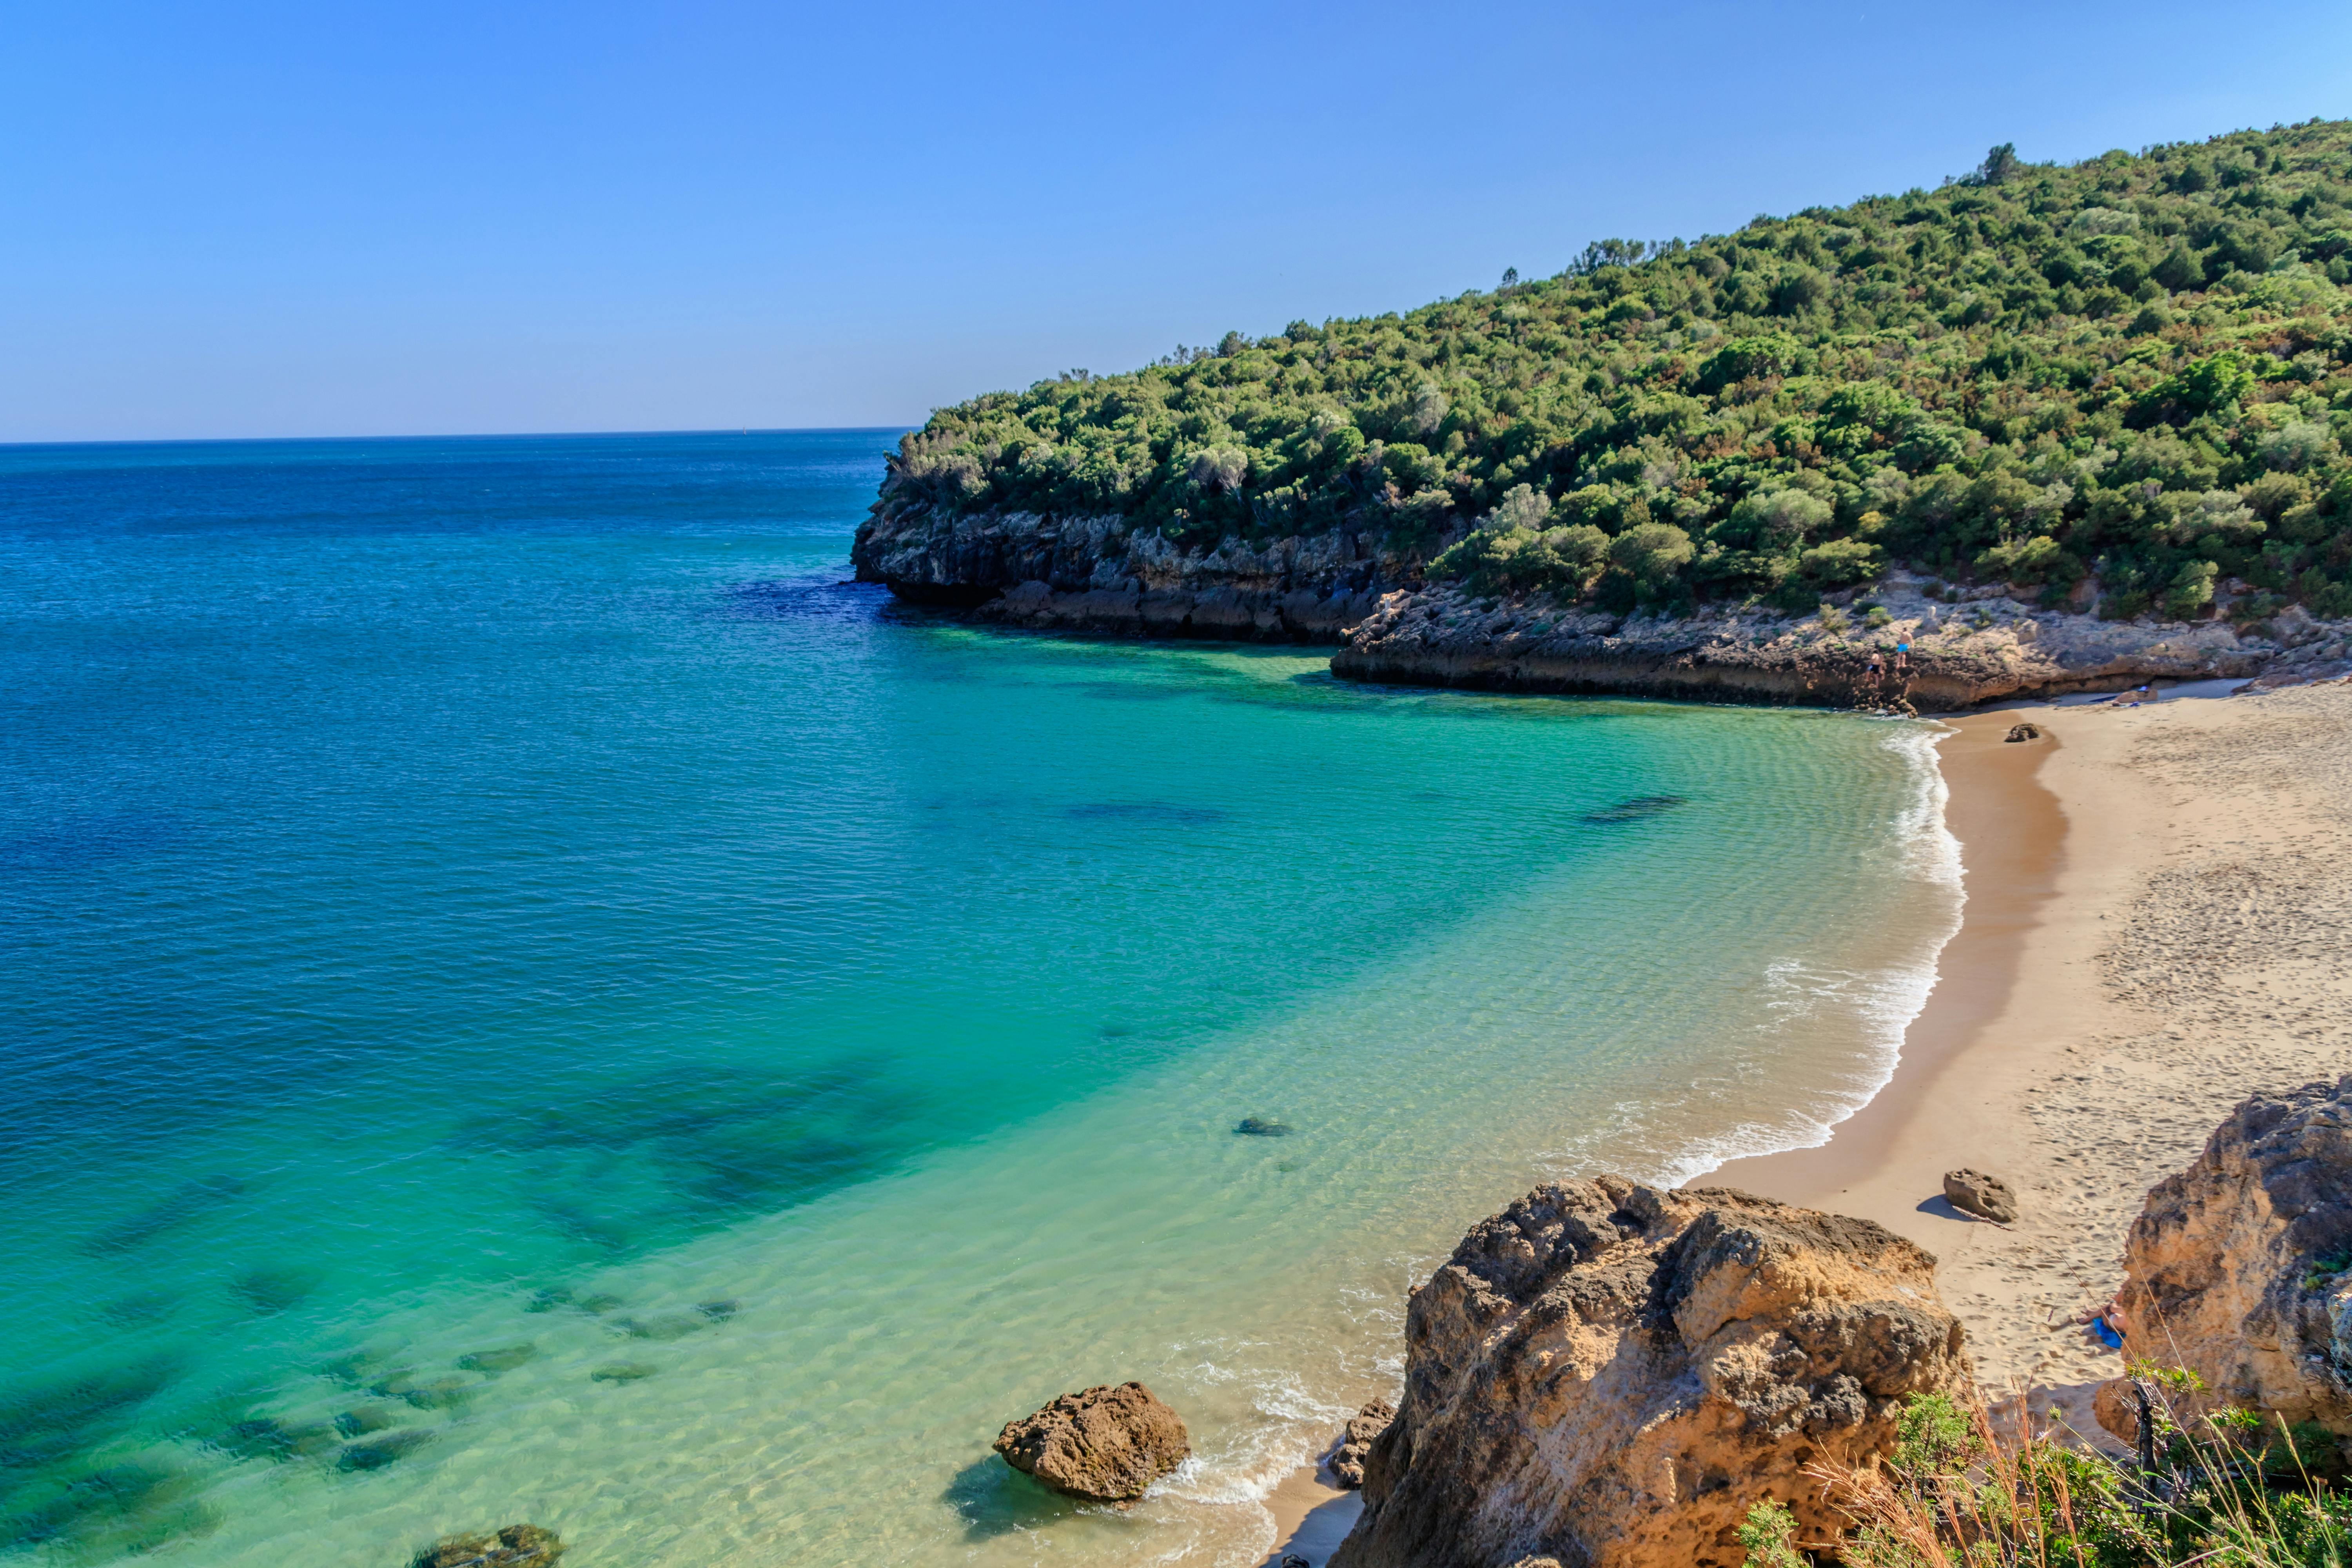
(528, 996)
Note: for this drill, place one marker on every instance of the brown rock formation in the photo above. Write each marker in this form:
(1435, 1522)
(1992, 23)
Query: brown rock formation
(1346, 1461)
(1103, 1444)
(2239, 1268)
(1988, 1197)
(1612, 1375)
(516, 1546)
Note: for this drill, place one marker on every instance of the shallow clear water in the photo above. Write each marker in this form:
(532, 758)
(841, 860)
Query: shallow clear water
(466, 896)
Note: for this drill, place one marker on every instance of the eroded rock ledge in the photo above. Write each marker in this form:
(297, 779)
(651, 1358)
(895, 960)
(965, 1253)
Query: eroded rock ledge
(1096, 575)
(1983, 650)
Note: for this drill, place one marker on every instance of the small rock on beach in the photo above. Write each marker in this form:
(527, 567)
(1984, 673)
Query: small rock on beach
(1346, 1461)
(1987, 1197)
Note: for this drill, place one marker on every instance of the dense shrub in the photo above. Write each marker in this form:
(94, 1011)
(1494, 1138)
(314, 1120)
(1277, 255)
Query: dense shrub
(2137, 368)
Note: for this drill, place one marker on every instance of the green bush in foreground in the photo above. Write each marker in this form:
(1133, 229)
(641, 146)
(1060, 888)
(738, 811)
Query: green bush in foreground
(2138, 366)
(1961, 1492)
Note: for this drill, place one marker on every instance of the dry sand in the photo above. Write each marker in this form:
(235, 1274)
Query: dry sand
(2159, 902)
(2156, 903)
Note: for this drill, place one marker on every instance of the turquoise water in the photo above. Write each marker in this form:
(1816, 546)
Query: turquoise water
(527, 996)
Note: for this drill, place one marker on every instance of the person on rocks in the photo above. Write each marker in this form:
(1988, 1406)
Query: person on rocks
(1903, 658)
(1875, 670)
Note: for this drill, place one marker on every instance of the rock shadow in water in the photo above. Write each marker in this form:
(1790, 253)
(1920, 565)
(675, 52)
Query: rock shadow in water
(992, 1498)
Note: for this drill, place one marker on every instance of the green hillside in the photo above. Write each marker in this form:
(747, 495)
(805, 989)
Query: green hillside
(2134, 367)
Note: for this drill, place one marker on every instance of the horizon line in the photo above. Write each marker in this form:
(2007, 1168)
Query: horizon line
(471, 436)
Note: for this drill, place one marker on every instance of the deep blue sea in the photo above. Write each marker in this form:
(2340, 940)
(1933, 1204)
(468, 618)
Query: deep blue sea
(528, 996)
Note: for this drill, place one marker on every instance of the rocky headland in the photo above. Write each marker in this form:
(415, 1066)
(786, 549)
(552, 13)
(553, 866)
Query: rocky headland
(1390, 623)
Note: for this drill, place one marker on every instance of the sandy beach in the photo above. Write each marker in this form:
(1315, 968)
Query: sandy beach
(2155, 903)
(2156, 898)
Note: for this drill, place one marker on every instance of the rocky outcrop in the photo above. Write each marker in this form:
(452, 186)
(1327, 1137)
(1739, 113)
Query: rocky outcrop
(516, 1546)
(1987, 1197)
(1101, 1445)
(2239, 1268)
(1102, 576)
(1960, 655)
(1098, 574)
(1345, 1459)
(1612, 1375)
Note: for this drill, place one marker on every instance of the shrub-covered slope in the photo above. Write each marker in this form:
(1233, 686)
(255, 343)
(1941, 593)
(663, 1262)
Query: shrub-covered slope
(2125, 378)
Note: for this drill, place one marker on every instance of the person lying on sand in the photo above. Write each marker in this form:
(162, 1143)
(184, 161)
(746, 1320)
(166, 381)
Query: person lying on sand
(2105, 1320)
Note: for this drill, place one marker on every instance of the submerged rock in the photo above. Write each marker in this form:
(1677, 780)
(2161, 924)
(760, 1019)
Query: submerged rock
(719, 1311)
(2239, 1268)
(1612, 1375)
(366, 1418)
(1103, 1444)
(516, 1546)
(668, 1326)
(1261, 1127)
(622, 1371)
(505, 1358)
(1988, 1197)
(377, 1452)
(265, 1437)
(1345, 1459)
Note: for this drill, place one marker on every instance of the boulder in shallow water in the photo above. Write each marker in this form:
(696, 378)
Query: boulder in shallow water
(2239, 1268)
(516, 1546)
(1345, 1459)
(1101, 1445)
(492, 1362)
(622, 1371)
(1261, 1127)
(1987, 1197)
(1612, 1375)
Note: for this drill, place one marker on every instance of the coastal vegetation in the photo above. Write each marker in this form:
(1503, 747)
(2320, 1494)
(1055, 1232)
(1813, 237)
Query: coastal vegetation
(2124, 382)
(1966, 1488)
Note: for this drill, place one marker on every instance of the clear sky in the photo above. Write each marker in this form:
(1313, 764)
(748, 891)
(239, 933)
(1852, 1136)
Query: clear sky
(249, 219)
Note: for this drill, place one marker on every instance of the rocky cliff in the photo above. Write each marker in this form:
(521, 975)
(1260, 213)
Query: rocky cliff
(1611, 1375)
(2239, 1268)
(1098, 576)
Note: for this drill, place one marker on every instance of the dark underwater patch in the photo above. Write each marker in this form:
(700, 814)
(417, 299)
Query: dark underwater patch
(1121, 691)
(109, 1510)
(1639, 808)
(1143, 811)
(43, 1423)
(641, 1162)
(272, 1289)
(1261, 1127)
(190, 1202)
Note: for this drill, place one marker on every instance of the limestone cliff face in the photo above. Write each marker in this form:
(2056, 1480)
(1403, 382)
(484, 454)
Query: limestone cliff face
(2239, 1268)
(1961, 654)
(1098, 574)
(1611, 1375)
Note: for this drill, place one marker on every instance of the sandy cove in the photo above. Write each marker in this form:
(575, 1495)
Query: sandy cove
(2158, 899)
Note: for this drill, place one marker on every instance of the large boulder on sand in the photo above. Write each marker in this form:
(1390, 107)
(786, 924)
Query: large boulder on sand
(1612, 1375)
(1104, 1445)
(2239, 1268)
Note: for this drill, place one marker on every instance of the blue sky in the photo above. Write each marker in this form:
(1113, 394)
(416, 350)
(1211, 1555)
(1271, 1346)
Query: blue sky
(255, 219)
